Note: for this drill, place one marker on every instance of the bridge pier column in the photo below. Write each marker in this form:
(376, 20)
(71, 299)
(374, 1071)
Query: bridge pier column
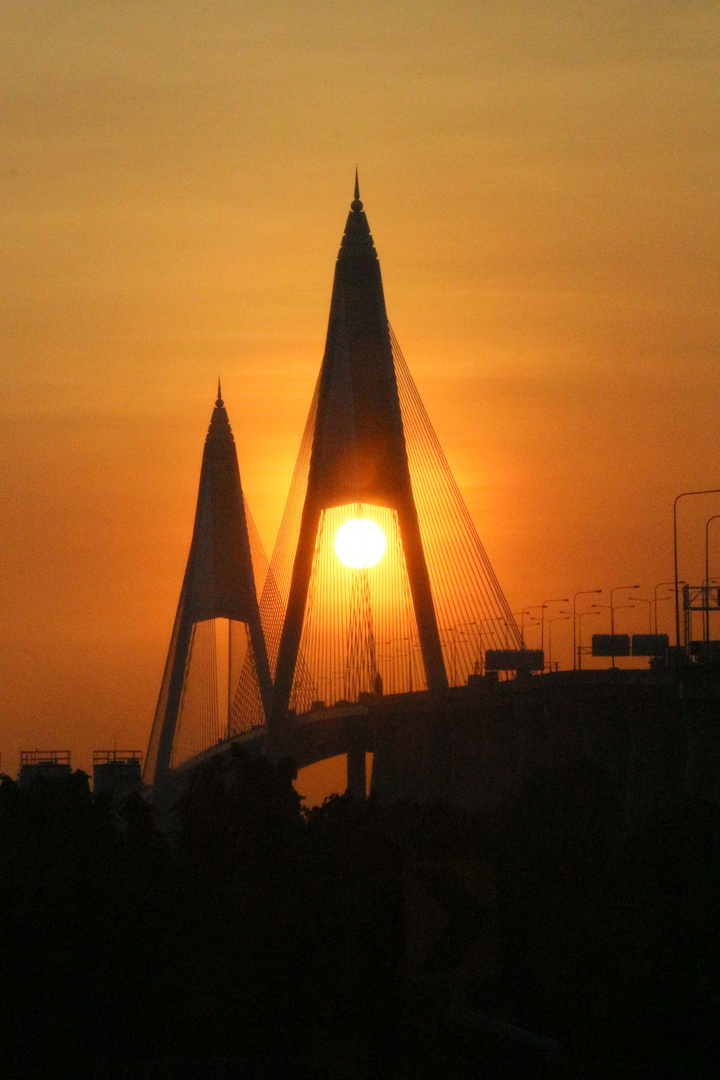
(356, 778)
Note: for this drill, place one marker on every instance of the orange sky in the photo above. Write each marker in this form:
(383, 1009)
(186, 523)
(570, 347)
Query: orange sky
(542, 186)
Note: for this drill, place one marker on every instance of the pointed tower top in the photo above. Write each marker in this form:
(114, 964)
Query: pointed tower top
(357, 231)
(219, 430)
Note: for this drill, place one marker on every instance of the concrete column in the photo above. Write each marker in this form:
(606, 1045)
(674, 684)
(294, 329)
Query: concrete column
(356, 779)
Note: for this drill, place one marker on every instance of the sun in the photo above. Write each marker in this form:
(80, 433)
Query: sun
(360, 543)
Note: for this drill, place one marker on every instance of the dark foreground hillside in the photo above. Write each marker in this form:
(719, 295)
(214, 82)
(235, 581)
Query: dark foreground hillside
(357, 939)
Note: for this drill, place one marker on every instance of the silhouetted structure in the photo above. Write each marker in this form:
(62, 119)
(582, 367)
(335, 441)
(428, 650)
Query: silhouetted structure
(358, 454)
(219, 584)
(421, 616)
(117, 773)
(48, 764)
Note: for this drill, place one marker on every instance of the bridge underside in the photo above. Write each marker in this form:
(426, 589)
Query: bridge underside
(471, 746)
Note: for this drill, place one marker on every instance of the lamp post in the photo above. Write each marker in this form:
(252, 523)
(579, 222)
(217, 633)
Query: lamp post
(451, 631)
(392, 656)
(655, 603)
(612, 609)
(617, 588)
(479, 661)
(682, 495)
(644, 600)
(595, 610)
(410, 659)
(618, 607)
(523, 613)
(660, 585)
(534, 622)
(496, 637)
(706, 593)
(556, 600)
(563, 617)
(460, 627)
(534, 607)
(583, 592)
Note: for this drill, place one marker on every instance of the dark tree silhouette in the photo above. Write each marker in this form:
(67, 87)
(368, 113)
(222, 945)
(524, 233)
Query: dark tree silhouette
(257, 939)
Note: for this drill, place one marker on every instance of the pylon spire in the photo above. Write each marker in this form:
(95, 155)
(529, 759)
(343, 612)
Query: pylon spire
(358, 449)
(218, 584)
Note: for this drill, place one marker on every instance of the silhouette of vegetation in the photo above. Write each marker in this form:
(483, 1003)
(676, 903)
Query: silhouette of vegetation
(253, 938)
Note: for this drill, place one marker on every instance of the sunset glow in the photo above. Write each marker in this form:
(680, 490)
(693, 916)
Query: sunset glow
(542, 189)
(360, 543)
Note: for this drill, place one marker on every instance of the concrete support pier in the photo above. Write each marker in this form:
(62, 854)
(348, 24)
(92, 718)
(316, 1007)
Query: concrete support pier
(356, 777)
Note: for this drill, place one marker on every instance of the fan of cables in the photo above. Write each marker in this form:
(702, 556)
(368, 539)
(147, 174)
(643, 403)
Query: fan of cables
(359, 620)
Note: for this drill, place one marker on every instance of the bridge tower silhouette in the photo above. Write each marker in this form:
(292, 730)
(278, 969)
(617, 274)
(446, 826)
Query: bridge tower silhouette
(218, 597)
(331, 628)
(420, 617)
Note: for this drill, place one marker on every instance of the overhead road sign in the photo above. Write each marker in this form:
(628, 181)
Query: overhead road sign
(514, 660)
(650, 644)
(611, 645)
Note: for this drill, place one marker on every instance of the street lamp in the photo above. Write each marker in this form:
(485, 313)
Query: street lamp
(535, 607)
(496, 636)
(644, 600)
(557, 600)
(617, 588)
(451, 631)
(706, 613)
(660, 585)
(409, 644)
(476, 645)
(563, 617)
(523, 613)
(534, 622)
(583, 592)
(682, 495)
(392, 656)
(612, 610)
(479, 661)
(618, 607)
(595, 610)
(655, 603)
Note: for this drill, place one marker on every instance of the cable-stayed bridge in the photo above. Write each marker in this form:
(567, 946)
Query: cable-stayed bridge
(379, 586)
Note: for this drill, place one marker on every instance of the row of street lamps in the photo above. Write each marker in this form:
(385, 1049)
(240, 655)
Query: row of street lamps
(595, 609)
(677, 582)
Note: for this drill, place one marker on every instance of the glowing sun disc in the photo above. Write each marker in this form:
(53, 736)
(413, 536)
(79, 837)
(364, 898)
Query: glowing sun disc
(360, 543)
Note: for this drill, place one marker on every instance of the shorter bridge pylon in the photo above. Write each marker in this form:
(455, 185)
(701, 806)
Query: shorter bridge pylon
(219, 584)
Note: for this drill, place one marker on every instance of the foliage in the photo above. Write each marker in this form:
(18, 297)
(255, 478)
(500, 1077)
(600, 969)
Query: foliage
(259, 936)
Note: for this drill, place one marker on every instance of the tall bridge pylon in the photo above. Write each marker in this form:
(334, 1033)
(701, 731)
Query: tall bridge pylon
(419, 615)
(218, 594)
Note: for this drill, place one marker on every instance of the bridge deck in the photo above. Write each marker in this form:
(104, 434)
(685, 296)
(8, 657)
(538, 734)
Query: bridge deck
(348, 727)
